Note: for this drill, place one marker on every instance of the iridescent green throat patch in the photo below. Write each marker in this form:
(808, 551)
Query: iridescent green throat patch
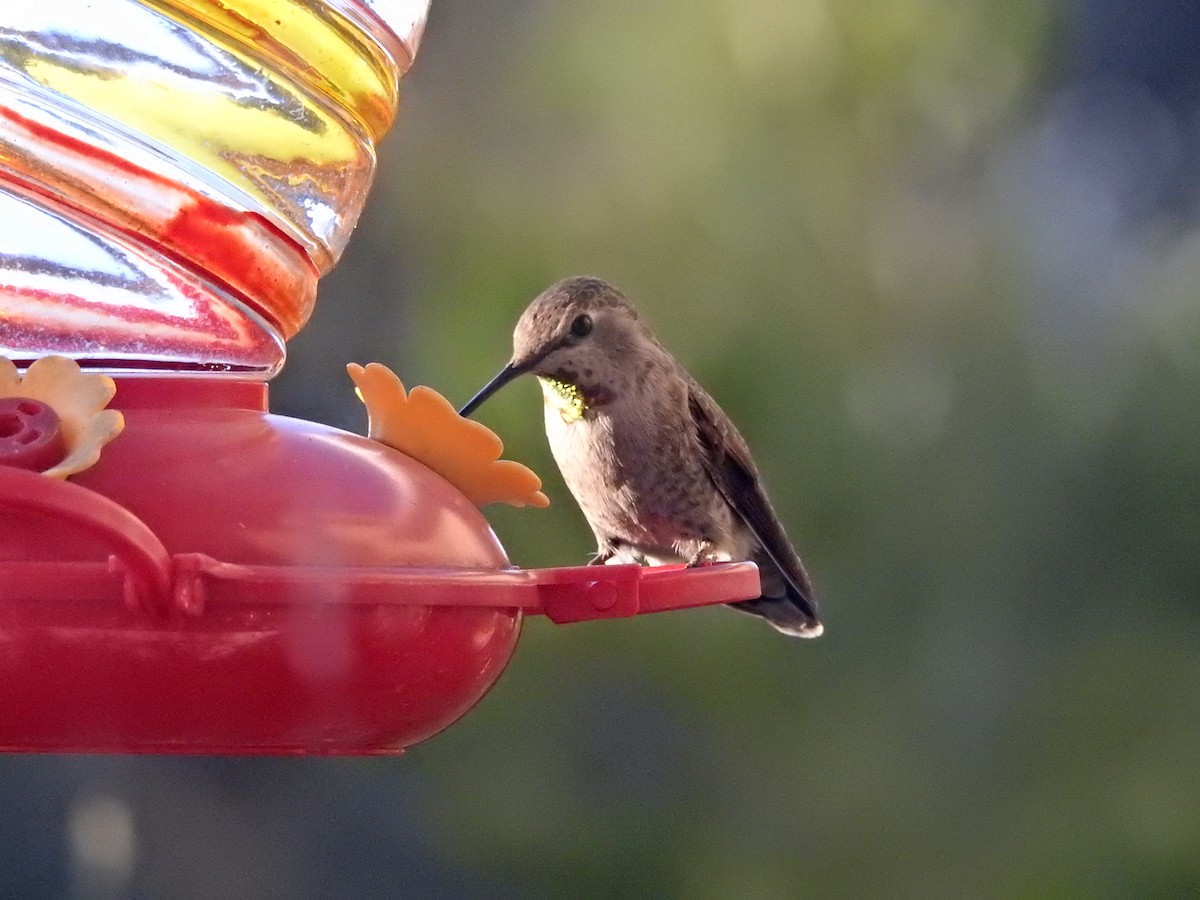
(567, 398)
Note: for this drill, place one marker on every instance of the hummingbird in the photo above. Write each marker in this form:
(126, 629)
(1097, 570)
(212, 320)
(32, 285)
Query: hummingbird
(658, 469)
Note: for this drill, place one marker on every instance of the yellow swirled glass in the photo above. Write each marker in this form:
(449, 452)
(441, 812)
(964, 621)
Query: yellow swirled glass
(175, 175)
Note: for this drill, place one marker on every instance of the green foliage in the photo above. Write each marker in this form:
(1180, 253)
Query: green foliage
(808, 201)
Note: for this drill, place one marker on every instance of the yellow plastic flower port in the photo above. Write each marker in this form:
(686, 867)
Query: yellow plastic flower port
(54, 419)
(422, 424)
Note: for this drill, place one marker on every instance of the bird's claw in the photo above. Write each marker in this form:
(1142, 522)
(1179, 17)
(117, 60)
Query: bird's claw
(602, 557)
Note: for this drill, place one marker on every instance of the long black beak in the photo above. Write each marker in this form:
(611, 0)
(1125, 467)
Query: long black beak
(503, 377)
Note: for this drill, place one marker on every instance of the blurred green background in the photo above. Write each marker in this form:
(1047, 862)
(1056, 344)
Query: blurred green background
(939, 261)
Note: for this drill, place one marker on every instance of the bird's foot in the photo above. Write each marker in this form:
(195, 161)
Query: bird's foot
(602, 556)
(701, 557)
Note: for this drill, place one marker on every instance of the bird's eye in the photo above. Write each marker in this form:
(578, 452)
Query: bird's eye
(582, 325)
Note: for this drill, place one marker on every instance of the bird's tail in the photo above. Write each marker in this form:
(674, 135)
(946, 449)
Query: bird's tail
(786, 602)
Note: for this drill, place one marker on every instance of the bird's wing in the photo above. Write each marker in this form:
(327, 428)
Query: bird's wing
(727, 460)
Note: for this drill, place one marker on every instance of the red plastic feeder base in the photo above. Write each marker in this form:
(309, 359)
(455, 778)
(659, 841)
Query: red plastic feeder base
(229, 581)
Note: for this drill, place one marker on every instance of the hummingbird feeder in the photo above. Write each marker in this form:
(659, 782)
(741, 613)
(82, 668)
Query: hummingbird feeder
(182, 571)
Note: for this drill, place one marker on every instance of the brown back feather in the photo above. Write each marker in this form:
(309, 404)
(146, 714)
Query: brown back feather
(728, 462)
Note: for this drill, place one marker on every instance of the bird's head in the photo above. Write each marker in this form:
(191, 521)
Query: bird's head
(581, 331)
